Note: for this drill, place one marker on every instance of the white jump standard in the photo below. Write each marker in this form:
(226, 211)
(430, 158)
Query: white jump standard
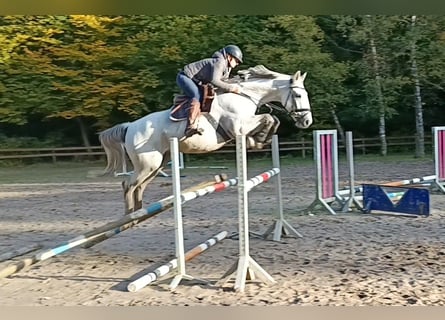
(352, 200)
(439, 157)
(246, 264)
(280, 225)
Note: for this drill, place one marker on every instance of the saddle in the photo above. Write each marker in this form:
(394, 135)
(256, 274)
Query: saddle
(181, 103)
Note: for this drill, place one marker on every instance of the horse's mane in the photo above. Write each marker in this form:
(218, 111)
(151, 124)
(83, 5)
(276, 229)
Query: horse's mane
(257, 72)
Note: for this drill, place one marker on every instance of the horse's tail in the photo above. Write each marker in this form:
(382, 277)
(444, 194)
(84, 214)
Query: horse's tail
(112, 140)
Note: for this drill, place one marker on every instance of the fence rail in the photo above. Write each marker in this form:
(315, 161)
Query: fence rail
(303, 147)
(54, 153)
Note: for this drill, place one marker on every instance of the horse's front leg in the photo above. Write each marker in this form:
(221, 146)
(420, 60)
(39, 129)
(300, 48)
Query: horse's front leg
(265, 128)
(257, 129)
(273, 130)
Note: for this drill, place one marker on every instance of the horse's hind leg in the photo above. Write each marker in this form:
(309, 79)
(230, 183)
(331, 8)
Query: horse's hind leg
(128, 196)
(138, 194)
(146, 167)
(140, 190)
(133, 191)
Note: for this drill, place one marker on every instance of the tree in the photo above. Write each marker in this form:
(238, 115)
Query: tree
(378, 89)
(74, 72)
(420, 135)
(290, 43)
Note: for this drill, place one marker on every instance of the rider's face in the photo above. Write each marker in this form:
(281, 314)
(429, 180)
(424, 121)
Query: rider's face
(232, 62)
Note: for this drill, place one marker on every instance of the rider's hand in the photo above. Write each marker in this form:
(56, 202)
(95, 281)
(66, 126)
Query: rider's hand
(236, 89)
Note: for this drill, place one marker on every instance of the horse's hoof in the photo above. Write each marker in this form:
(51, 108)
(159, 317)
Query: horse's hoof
(221, 177)
(250, 142)
(259, 145)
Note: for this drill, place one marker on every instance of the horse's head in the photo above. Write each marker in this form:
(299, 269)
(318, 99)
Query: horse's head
(294, 98)
(266, 86)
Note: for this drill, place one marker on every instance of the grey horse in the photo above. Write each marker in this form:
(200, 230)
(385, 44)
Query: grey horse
(146, 140)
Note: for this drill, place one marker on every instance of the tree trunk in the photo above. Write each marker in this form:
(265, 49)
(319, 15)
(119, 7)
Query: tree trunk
(420, 136)
(381, 104)
(84, 134)
(340, 130)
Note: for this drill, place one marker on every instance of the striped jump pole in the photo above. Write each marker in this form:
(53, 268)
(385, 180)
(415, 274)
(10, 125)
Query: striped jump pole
(246, 265)
(439, 157)
(112, 228)
(172, 264)
(326, 171)
(43, 255)
(19, 252)
(155, 209)
(438, 179)
(421, 180)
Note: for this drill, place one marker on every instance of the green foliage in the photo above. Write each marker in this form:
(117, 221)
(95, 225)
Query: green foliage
(26, 142)
(109, 69)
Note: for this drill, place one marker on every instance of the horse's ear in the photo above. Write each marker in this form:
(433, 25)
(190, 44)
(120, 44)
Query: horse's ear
(303, 76)
(296, 75)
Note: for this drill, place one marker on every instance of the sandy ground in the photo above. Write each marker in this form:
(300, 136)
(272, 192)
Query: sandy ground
(348, 259)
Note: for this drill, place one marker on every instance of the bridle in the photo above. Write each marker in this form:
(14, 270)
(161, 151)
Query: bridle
(293, 95)
(295, 114)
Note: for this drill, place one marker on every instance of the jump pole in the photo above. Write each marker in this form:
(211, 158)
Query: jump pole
(246, 264)
(438, 178)
(19, 252)
(425, 179)
(439, 157)
(42, 255)
(280, 225)
(111, 228)
(155, 209)
(172, 264)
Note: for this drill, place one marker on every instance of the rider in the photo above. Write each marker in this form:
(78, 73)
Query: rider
(212, 70)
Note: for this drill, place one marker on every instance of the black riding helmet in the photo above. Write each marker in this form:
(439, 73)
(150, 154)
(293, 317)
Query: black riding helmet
(234, 51)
